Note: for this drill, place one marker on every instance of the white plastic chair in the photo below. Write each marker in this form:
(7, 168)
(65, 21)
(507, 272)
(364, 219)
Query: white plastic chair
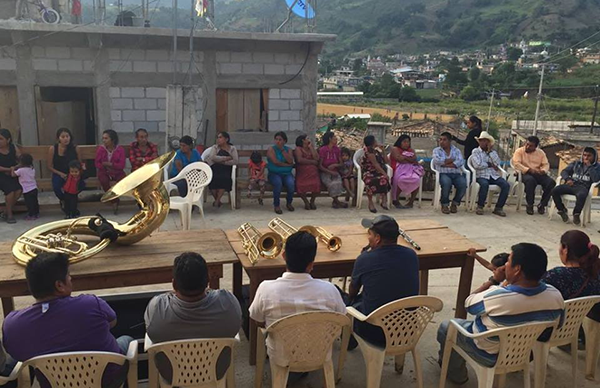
(591, 329)
(475, 186)
(568, 334)
(515, 342)
(84, 369)
(306, 341)
(193, 362)
(437, 193)
(518, 187)
(406, 195)
(16, 374)
(403, 322)
(232, 193)
(586, 213)
(360, 184)
(198, 175)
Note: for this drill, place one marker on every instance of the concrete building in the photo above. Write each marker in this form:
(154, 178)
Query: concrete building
(91, 78)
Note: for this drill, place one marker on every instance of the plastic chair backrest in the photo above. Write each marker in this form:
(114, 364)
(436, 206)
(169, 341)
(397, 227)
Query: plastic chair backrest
(194, 362)
(205, 153)
(75, 369)
(198, 175)
(575, 311)
(306, 338)
(516, 343)
(403, 321)
(358, 155)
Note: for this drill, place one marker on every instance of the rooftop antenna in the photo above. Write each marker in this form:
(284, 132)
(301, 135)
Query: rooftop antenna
(305, 9)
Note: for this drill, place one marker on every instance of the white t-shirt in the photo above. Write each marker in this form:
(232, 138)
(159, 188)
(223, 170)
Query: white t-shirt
(26, 177)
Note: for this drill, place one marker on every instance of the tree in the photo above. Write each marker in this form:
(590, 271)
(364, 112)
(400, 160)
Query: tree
(474, 74)
(514, 53)
(470, 93)
(408, 94)
(415, 8)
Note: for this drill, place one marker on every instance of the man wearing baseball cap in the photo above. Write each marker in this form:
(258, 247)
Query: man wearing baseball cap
(486, 163)
(385, 272)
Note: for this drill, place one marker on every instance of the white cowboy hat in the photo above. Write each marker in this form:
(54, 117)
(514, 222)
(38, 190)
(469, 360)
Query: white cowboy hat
(485, 135)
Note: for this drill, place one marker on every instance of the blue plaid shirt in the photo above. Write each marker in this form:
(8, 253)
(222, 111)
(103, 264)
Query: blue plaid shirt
(480, 162)
(440, 156)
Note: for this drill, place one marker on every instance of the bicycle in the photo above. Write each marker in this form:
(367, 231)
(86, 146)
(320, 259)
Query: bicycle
(48, 15)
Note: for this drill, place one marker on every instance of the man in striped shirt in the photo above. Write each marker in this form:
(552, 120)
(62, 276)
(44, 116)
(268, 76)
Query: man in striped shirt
(522, 298)
(448, 160)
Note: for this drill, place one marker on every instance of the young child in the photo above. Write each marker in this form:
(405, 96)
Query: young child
(71, 190)
(497, 261)
(347, 173)
(26, 174)
(256, 172)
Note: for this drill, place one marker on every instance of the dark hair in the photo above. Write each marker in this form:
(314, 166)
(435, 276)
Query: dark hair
(326, 139)
(500, 259)
(140, 130)
(113, 136)
(369, 140)
(590, 150)
(190, 274)
(534, 139)
(581, 250)
(75, 164)
(398, 142)
(43, 271)
(300, 251)
(300, 140)
(346, 151)
(187, 140)
(477, 121)
(26, 160)
(226, 136)
(282, 135)
(5, 133)
(256, 157)
(447, 135)
(62, 130)
(532, 259)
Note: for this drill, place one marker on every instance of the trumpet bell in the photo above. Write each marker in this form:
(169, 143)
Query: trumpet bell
(256, 244)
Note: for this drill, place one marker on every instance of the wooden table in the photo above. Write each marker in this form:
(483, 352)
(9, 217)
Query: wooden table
(441, 247)
(148, 262)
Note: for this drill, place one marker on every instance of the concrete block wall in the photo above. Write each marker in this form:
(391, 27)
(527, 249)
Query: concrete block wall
(285, 110)
(138, 107)
(7, 59)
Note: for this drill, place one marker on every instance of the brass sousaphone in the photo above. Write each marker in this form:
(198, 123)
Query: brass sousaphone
(144, 184)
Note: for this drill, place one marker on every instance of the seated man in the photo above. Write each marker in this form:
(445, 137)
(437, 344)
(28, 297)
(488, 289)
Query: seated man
(191, 310)
(521, 299)
(448, 160)
(295, 291)
(487, 172)
(578, 177)
(58, 322)
(533, 165)
(386, 272)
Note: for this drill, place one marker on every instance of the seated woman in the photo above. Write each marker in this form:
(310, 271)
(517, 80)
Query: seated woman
(307, 171)
(407, 172)
(330, 163)
(110, 162)
(141, 151)
(59, 157)
(9, 156)
(580, 275)
(221, 158)
(185, 155)
(280, 162)
(374, 174)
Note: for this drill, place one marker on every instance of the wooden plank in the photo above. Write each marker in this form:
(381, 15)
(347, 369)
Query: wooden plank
(9, 114)
(222, 105)
(252, 109)
(235, 109)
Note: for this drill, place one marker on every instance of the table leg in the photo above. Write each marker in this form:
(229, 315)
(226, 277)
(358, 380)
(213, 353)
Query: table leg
(8, 305)
(215, 274)
(237, 280)
(254, 283)
(423, 281)
(464, 287)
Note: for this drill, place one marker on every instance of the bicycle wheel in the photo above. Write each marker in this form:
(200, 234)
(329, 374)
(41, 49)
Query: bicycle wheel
(50, 16)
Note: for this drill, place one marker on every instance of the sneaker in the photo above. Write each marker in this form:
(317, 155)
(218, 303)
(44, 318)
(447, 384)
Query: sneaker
(445, 209)
(454, 208)
(563, 214)
(499, 212)
(479, 210)
(541, 209)
(530, 210)
(576, 219)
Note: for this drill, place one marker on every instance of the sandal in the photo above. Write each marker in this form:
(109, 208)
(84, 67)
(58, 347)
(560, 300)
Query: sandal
(335, 205)
(372, 210)
(343, 205)
(290, 207)
(278, 210)
(260, 201)
(307, 206)
(11, 220)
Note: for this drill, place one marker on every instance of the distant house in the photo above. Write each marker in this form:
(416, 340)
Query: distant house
(591, 59)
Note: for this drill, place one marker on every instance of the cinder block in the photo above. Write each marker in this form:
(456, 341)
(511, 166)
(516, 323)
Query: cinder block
(117, 66)
(162, 126)
(241, 57)
(283, 58)
(156, 115)
(123, 126)
(116, 115)
(252, 68)
(290, 94)
(156, 92)
(223, 56)
(157, 55)
(82, 53)
(70, 65)
(165, 67)
(274, 69)
(274, 115)
(274, 93)
(296, 126)
(292, 69)
(262, 57)
(114, 53)
(8, 64)
(296, 104)
(133, 115)
(148, 126)
(144, 66)
(88, 65)
(58, 52)
(135, 92)
(275, 126)
(114, 92)
(162, 103)
(45, 64)
(290, 115)
(133, 54)
(279, 104)
(121, 103)
(183, 56)
(230, 68)
(144, 103)
(38, 52)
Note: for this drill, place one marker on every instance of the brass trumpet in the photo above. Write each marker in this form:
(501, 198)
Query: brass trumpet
(266, 245)
(285, 230)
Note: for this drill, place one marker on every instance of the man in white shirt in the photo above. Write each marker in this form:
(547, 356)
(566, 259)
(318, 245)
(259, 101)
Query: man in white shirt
(295, 291)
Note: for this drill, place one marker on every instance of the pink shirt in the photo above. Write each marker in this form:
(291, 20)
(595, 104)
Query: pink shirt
(26, 177)
(329, 156)
(117, 158)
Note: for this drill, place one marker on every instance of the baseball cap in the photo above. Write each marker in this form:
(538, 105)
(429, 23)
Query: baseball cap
(383, 225)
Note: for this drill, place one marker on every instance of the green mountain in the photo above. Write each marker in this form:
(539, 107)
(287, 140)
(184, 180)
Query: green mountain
(412, 26)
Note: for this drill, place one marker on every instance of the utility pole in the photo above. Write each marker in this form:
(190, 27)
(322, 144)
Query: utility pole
(539, 101)
(487, 127)
(595, 110)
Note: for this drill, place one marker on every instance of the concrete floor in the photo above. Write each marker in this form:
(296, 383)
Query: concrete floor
(498, 234)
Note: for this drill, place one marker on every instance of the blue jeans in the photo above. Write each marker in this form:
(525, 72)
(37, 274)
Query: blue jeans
(278, 181)
(447, 180)
(123, 342)
(484, 186)
(58, 183)
(457, 369)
